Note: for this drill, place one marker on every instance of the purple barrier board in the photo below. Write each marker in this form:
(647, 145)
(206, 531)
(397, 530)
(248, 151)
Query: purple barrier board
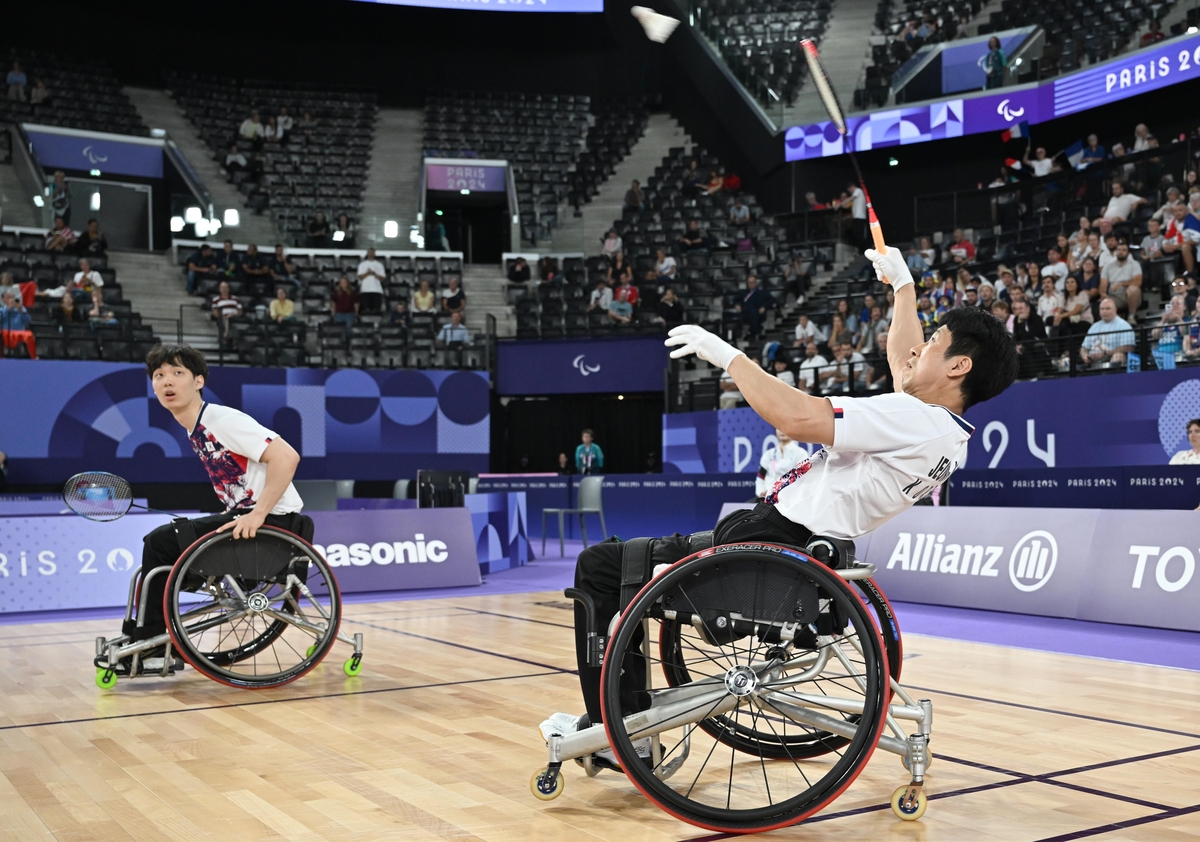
(456, 177)
(51, 563)
(1135, 568)
(398, 549)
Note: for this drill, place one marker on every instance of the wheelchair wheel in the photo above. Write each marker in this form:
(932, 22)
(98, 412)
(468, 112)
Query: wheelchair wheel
(780, 656)
(766, 742)
(252, 613)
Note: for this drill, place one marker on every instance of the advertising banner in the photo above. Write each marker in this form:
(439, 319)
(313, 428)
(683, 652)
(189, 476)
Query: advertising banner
(1174, 61)
(51, 562)
(1128, 420)
(72, 149)
(1168, 487)
(369, 425)
(575, 366)
(1112, 567)
(398, 549)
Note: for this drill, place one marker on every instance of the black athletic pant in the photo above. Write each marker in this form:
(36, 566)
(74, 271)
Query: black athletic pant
(164, 545)
(598, 572)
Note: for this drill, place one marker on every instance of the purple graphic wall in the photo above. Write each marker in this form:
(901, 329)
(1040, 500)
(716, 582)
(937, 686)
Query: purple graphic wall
(348, 423)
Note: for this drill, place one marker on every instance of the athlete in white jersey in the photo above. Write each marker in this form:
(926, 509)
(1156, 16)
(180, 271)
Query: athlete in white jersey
(250, 467)
(880, 454)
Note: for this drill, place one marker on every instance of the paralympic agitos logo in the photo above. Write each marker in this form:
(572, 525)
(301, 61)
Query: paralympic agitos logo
(417, 551)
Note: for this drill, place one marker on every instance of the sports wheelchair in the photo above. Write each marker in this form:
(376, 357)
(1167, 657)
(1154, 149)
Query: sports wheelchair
(251, 613)
(780, 676)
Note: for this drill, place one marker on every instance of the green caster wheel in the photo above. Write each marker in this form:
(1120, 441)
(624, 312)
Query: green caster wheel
(309, 652)
(105, 679)
(353, 666)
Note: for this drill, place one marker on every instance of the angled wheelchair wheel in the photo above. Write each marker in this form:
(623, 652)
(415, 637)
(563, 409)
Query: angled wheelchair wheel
(254, 612)
(785, 695)
(674, 640)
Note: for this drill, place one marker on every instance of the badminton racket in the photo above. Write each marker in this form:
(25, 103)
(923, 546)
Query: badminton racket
(830, 100)
(101, 496)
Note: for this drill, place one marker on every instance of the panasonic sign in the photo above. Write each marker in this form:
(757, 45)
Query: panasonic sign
(416, 551)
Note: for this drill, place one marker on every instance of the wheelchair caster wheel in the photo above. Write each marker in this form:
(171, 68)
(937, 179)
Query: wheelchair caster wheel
(908, 808)
(928, 761)
(547, 784)
(353, 666)
(105, 679)
(308, 653)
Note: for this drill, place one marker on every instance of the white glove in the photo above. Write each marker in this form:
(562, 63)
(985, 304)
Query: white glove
(890, 267)
(693, 339)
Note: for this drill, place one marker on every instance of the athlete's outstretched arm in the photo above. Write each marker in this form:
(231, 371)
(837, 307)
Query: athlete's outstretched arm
(800, 415)
(905, 331)
(281, 460)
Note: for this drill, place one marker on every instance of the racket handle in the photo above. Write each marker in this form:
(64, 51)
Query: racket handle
(876, 231)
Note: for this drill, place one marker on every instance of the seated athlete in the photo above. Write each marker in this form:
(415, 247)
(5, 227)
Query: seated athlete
(251, 469)
(881, 454)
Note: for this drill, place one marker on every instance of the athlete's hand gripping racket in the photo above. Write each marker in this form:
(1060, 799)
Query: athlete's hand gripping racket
(829, 98)
(101, 496)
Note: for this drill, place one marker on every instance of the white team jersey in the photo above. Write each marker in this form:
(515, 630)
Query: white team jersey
(775, 463)
(229, 443)
(888, 452)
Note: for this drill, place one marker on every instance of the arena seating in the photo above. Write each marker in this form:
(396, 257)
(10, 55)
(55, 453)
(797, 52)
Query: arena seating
(890, 19)
(322, 169)
(560, 146)
(313, 338)
(83, 95)
(706, 282)
(617, 126)
(758, 40)
(1078, 32)
(125, 339)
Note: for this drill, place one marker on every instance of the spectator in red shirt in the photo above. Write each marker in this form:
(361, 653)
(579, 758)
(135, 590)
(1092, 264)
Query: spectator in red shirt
(344, 303)
(962, 250)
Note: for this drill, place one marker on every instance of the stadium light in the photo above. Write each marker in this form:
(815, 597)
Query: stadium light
(338, 236)
(391, 229)
(1192, 30)
(158, 133)
(176, 224)
(232, 218)
(201, 227)
(192, 215)
(39, 202)
(95, 203)
(465, 192)
(95, 173)
(214, 225)
(892, 162)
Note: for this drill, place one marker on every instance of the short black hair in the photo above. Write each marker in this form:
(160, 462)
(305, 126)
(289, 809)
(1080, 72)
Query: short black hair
(588, 432)
(982, 337)
(184, 355)
(1195, 422)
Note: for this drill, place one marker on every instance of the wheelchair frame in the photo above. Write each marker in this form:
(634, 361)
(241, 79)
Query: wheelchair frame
(677, 706)
(114, 650)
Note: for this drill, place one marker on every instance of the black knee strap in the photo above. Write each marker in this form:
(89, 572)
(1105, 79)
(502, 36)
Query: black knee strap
(635, 567)
(185, 533)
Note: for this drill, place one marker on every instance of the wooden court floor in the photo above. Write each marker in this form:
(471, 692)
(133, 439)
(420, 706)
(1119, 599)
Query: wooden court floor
(438, 737)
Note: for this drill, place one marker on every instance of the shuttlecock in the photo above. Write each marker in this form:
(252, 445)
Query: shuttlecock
(658, 27)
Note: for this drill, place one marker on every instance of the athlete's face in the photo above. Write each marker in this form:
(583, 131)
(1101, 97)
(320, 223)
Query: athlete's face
(176, 388)
(928, 369)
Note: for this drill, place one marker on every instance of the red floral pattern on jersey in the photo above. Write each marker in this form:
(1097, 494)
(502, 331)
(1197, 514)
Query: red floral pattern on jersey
(226, 469)
(790, 477)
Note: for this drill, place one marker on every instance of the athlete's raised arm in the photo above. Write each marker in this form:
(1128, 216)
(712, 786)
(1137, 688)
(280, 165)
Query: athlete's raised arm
(802, 416)
(905, 331)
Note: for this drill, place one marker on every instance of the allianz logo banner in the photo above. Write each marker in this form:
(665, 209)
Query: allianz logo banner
(398, 549)
(1113, 566)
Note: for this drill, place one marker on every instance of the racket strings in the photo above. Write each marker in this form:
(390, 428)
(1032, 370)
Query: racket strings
(98, 496)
